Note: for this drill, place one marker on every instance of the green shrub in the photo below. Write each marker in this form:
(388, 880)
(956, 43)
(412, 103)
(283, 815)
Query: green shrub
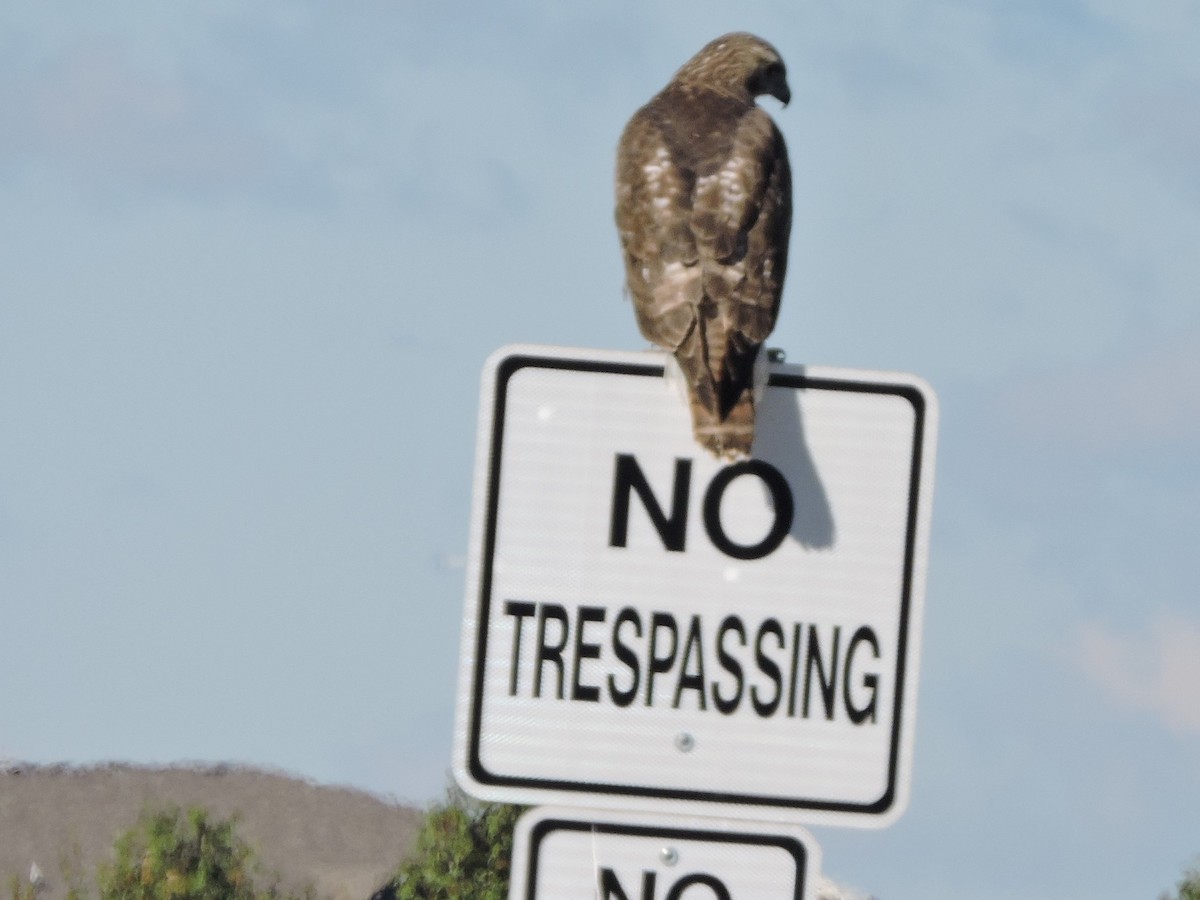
(463, 852)
(1188, 888)
(171, 857)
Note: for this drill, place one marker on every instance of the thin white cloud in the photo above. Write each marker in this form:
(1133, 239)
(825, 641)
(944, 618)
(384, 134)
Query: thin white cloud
(1156, 672)
(828, 889)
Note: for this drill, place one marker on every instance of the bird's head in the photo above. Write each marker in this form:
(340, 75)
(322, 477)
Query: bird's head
(737, 63)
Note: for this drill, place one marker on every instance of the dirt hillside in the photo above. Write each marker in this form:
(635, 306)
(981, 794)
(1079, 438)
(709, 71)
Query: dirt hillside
(343, 841)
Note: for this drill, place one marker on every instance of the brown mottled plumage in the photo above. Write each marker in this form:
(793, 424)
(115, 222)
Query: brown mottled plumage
(704, 210)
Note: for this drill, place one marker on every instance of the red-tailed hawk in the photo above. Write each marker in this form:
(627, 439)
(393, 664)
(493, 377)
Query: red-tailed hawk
(704, 210)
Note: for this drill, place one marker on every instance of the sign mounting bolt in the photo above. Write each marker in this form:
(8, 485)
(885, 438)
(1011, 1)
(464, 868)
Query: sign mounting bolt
(684, 742)
(669, 855)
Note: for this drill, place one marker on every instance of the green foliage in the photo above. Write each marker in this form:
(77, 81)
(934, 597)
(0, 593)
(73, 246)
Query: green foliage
(171, 857)
(1188, 888)
(463, 852)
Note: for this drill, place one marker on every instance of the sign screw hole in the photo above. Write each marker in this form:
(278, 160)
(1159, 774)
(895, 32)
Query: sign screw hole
(684, 742)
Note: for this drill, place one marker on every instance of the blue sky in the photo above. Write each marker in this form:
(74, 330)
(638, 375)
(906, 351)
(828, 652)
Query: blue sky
(254, 258)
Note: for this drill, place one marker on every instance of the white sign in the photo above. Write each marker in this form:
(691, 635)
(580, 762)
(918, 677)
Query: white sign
(563, 854)
(648, 628)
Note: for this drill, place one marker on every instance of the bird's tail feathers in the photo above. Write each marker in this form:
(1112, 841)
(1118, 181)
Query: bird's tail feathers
(720, 374)
(729, 436)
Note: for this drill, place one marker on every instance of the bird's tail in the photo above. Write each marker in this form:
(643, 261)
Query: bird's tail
(727, 437)
(720, 369)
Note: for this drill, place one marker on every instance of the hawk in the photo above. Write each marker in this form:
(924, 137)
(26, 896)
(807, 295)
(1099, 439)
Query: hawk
(704, 210)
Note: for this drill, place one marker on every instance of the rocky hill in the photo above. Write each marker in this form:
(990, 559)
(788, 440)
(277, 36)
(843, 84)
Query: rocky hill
(343, 841)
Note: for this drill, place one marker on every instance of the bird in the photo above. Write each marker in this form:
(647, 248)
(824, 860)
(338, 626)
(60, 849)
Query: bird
(704, 213)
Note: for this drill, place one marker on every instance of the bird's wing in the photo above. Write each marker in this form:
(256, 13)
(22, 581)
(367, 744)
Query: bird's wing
(741, 219)
(654, 197)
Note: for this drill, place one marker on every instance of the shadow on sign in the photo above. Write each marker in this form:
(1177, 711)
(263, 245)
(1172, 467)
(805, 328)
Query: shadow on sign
(780, 440)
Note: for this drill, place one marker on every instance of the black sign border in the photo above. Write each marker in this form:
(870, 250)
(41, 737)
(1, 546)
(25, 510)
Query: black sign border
(506, 368)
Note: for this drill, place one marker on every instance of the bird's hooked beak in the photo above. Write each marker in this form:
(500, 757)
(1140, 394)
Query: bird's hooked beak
(772, 81)
(777, 86)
